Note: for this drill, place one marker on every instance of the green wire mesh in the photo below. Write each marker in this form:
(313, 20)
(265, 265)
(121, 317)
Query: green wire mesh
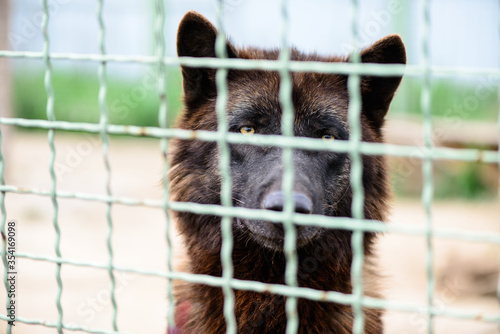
(226, 183)
(51, 117)
(354, 147)
(162, 121)
(427, 166)
(105, 148)
(287, 120)
(354, 115)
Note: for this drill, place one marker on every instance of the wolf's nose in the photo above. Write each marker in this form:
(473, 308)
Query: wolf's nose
(275, 201)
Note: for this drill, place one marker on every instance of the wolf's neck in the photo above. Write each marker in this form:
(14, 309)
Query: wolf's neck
(265, 312)
(324, 265)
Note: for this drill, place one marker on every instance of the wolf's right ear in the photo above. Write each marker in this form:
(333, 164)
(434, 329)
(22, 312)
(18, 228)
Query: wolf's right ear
(196, 38)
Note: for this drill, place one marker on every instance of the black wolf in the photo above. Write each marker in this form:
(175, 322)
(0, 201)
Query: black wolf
(321, 185)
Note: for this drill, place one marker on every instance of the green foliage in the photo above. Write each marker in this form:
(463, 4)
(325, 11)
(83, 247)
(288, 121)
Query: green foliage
(135, 100)
(452, 180)
(450, 99)
(468, 181)
(469, 100)
(129, 101)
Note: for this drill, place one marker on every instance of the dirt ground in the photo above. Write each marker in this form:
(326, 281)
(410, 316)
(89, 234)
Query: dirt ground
(465, 273)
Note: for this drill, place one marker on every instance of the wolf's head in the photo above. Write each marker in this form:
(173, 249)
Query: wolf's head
(320, 102)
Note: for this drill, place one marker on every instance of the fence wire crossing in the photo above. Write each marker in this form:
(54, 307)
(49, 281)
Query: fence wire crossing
(356, 178)
(354, 147)
(427, 166)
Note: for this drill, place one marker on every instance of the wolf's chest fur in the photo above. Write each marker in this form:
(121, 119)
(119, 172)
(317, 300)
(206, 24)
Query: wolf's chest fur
(321, 184)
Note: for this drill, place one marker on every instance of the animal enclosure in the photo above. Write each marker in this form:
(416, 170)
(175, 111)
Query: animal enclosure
(100, 137)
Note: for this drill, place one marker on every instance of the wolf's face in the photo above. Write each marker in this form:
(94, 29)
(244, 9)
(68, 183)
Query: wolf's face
(320, 103)
(320, 178)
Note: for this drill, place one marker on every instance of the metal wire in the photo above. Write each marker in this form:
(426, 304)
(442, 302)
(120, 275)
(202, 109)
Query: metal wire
(287, 121)
(51, 134)
(105, 149)
(226, 183)
(356, 177)
(310, 220)
(307, 293)
(3, 221)
(269, 65)
(163, 122)
(427, 166)
(416, 152)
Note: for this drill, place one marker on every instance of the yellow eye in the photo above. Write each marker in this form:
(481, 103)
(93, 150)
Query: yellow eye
(247, 130)
(328, 137)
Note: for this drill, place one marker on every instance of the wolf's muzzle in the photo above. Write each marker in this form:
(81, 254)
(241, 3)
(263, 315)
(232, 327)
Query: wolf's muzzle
(275, 201)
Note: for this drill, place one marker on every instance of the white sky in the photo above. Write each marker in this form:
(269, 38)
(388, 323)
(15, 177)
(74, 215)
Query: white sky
(464, 32)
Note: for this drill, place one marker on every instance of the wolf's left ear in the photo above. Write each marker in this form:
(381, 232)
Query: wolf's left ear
(196, 38)
(378, 91)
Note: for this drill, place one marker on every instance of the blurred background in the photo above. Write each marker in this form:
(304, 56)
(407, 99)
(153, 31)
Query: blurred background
(464, 34)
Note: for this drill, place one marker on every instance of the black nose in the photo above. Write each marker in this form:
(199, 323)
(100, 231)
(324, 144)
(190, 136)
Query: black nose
(275, 201)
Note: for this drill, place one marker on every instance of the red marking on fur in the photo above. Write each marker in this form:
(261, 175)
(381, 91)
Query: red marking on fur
(181, 317)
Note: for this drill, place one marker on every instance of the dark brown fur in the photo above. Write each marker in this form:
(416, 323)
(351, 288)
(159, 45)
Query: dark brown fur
(325, 262)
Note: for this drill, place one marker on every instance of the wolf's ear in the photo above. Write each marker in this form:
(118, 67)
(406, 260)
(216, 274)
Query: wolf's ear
(196, 38)
(378, 91)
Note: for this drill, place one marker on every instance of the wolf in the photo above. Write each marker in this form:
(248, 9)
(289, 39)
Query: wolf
(321, 185)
